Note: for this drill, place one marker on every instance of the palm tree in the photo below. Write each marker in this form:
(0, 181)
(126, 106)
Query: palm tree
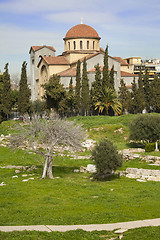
(109, 100)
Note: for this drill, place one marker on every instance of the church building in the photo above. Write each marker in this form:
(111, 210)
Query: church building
(81, 41)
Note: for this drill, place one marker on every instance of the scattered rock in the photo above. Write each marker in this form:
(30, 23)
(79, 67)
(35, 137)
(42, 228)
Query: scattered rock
(111, 189)
(15, 176)
(76, 170)
(2, 184)
(17, 171)
(25, 180)
(89, 144)
(91, 168)
(24, 175)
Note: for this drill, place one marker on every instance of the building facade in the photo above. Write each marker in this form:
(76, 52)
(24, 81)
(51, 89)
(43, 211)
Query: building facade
(81, 41)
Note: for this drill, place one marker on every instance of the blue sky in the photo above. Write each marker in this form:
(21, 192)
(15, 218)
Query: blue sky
(129, 27)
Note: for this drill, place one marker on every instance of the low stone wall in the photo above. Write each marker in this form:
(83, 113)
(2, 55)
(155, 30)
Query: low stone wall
(142, 174)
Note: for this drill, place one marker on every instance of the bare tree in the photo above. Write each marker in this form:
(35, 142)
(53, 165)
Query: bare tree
(45, 134)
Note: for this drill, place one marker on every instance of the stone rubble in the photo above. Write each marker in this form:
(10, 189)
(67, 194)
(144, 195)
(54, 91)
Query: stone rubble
(141, 175)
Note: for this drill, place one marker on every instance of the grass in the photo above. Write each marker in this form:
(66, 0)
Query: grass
(69, 235)
(151, 233)
(72, 198)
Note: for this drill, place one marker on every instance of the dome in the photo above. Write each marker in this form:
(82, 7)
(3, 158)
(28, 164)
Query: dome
(81, 31)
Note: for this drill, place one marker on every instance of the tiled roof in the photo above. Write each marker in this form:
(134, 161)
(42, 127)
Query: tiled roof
(59, 60)
(122, 61)
(36, 48)
(82, 31)
(101, 69)
(71, 72)
(87, 57)
(127, 74)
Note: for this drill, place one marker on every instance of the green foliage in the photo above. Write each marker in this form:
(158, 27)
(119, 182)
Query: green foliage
(105, 79)
(108, 101)
(111, 78)
(6, 98)
(106, 157)
(54, 92)
(96, 90)
(39, 107)
(85, 90)
(124, 96)
(150, 147)
(24, 92)
(145, 127)
(155, 96)
(147, 91)
(78, 89)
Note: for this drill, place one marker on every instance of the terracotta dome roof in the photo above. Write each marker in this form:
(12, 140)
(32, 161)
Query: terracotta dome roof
(82, 31)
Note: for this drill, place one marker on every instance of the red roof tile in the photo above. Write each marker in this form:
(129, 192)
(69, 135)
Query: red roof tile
(59, 60)
(122, 61)
(71, 72)
(101, 69)
(82, 31)
(127, 74)
(36, 48)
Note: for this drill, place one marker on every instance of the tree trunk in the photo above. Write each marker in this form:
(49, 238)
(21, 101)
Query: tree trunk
(45, 168)
(49, 168)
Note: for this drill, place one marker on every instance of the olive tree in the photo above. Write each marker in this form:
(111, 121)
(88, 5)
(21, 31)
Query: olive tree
(145, 127)
(42, 135)
(106, 157)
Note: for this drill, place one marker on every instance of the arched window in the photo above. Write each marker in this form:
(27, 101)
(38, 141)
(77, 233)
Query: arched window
(87, 44)
(93, 44)
(69, 45)
(74, 43)
(81, 45)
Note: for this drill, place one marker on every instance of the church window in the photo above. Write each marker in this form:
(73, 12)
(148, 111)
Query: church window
(81, 46)
(69, 45)
(74, 43)
(93, 44)
(87, 44)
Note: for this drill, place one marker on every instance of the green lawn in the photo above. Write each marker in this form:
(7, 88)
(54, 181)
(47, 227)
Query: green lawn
(73, 198)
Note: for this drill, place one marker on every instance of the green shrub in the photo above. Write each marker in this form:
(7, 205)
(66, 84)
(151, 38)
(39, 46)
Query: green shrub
(145, 127)
(106, 157)
(150, 147)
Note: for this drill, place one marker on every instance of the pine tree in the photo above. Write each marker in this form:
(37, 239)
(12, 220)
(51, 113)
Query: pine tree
(124, 96)
(155, 96)
(105, 80)
(140, 93)
(111, 78)
(85, 90)
(147, 91)
(6, 94)
(24, 91)
(78, 89)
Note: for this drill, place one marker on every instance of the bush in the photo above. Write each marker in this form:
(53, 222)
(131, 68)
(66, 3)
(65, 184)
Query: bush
(150, 147)
(145, 127)
(106, 157)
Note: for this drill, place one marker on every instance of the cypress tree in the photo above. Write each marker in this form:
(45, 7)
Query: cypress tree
(78, 89)
(24, 91)
(97, 86)
(71, 97)
(140, 93)
(6, 94)
(134, 97)
(124, 96)
(105, 80)
(111, 78)
(85, 90)
(155, 96)
(147, 91)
